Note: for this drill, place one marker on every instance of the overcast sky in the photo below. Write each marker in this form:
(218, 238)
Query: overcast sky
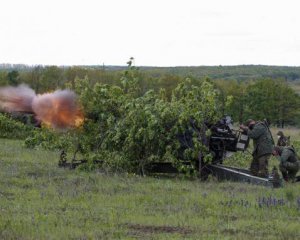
(154, 32)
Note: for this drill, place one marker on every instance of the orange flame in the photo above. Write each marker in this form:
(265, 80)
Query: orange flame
(58, 110)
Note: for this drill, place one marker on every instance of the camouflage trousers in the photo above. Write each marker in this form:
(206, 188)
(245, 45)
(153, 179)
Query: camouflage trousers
(289, 170)
(259, 165)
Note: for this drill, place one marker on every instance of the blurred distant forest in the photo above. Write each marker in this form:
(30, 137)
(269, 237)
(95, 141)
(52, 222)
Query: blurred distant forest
(245, 91)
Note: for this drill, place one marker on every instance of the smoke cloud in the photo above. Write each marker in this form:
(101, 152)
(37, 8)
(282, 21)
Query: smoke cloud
(58, 110)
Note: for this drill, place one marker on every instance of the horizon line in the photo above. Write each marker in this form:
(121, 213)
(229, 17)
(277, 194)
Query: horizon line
(150, 66)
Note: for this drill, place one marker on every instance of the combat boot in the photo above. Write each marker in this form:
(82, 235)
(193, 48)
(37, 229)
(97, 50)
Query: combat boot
(275, 178)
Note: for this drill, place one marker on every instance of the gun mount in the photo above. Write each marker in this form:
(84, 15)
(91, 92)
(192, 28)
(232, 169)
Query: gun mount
(224, 139)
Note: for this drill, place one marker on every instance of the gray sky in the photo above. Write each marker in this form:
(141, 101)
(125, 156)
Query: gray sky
(155, 33)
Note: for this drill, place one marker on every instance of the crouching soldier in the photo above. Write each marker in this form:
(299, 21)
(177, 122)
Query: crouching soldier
(289, 163)
(282, 140)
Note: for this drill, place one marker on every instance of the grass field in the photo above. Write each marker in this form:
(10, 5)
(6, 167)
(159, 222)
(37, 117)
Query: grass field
(38, 200)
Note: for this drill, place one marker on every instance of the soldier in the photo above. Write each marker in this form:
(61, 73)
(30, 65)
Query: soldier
(282, 140)
(263, 146)
(289, 162)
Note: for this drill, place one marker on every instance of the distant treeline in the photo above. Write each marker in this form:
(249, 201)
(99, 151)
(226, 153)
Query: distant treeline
(244, 91)
(239, 72)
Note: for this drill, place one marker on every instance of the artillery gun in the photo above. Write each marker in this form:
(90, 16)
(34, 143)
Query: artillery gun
(222, 142)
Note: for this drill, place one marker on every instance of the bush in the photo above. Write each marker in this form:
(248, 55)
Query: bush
(127, 129)
(10, 128)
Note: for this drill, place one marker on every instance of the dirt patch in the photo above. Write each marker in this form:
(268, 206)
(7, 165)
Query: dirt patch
(136, 229)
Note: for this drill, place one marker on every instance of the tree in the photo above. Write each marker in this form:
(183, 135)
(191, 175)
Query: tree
(3, 78)
(13, 78)
(52, 78)
(233, 93)
(272, 99)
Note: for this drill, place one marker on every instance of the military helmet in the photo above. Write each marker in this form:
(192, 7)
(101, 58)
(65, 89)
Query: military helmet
(247, 123)
(280, 133)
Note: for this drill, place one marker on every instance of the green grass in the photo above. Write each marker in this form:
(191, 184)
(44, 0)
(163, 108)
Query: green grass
(38, 200)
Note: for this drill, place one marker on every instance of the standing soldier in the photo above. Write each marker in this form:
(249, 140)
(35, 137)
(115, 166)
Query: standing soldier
(289, 162)
(263, 146)
(282, 140)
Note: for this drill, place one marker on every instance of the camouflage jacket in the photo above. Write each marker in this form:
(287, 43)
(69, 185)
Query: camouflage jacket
(283, 141)
(288, 154)
(262, 139)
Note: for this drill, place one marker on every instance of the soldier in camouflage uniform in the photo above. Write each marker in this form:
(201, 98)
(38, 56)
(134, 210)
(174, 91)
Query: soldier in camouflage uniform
(263, 145)
(282, 140)
(289, 162)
